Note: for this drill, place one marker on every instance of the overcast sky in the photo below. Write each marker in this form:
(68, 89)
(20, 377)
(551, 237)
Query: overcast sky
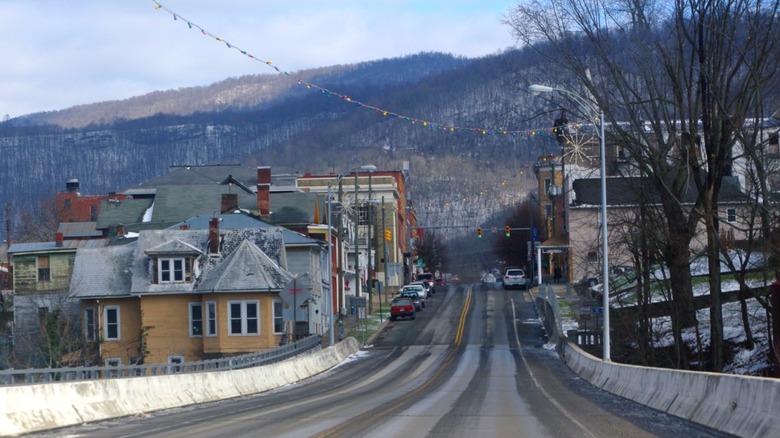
(56, 54)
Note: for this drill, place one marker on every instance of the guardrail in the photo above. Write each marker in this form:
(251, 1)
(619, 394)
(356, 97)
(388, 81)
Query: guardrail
(45, 375)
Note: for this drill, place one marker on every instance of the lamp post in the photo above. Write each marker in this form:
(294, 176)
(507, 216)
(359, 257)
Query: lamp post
(592, 108)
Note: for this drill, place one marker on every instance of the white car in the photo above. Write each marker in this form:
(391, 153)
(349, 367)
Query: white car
(515, 278)
(421, 292)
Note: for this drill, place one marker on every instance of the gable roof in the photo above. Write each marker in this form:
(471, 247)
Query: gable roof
(268, 241)
(102, 272)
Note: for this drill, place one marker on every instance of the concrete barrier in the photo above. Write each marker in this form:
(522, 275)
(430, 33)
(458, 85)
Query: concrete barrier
(30, 408)
(740, 405)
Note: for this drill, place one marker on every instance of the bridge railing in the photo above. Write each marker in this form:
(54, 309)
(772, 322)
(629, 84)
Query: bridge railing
(45, 375)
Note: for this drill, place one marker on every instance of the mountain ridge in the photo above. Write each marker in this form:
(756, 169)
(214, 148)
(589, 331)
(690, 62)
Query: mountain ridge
(459, 175)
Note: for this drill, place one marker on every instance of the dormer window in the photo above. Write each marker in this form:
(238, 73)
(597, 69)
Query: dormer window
(173, 262)
(173, 270)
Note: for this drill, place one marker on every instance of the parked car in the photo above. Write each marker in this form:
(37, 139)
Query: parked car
(515, 278)
(426, 286)
(401, 307)
(427, 276)
(420, 290)
(418, 303)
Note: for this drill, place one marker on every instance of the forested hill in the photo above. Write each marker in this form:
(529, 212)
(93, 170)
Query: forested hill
(460, 176)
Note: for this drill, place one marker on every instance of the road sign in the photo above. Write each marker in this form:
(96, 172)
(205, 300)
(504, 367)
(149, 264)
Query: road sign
(357, 302)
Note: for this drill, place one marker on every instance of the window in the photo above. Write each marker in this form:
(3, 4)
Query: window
(172, 270)
(278, 317)
(111, 318)
(176, 361)
(244, 318)
(363, 212)
(547, 184)
(211, 318)
(732, 214)
(44, 273)
(93, 213)
(548, 210)
(113, 362)
(196, 319)
(89, 324)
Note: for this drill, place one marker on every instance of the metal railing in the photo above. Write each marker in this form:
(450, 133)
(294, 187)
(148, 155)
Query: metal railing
(47, 375)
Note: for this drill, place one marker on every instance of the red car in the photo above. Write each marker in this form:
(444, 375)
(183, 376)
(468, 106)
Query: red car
(401, 307)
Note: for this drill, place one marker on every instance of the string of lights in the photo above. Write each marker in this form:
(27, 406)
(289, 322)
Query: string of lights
(347, 99)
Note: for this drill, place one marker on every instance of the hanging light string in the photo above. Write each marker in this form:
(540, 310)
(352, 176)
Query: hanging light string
(370, 108)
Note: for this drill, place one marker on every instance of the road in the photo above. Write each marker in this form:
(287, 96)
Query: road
(473, 364)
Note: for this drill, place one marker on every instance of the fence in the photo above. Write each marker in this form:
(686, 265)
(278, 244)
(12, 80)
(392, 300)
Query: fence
(30, 376)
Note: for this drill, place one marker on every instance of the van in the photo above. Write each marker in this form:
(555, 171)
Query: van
(427, 276)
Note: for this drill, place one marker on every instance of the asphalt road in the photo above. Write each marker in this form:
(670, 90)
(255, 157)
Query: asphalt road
(473, 364)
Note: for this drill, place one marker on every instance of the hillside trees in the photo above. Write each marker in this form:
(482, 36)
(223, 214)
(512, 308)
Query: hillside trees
(680, 84)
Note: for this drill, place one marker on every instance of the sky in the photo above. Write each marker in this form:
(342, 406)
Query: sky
(57, 54)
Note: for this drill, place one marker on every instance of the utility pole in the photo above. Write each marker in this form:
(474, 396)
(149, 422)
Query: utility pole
(384, 255)
(369, 246)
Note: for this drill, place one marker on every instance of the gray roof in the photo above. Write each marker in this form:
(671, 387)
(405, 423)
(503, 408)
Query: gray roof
(245, 269)
(67, 246)
(177, 203)
(102, 272)
(630, 190)
(214, 174)
(243, 220)
(293, 208)
(210, 268)
(79, 229)
(126, 212)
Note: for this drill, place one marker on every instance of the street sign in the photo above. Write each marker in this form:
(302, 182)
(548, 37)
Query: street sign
(357, 302)
(535, 234)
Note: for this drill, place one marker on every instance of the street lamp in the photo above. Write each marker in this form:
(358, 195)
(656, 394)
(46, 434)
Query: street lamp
(592, 108)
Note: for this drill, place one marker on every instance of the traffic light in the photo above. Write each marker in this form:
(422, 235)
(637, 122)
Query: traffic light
(506, 230)
(388, 235)
(479, 232)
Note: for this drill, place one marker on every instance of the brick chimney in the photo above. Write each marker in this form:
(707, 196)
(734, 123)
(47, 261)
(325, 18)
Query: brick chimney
(229, 203)
(264, 191)
(214, 236)
(120, 230)
(184, 226)
(58, 238)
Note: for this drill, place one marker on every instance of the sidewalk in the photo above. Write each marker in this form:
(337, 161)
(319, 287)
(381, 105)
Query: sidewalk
(345, 325)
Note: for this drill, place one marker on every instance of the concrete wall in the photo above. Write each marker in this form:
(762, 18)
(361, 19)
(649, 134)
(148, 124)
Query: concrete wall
(30, 408)
(740, 405)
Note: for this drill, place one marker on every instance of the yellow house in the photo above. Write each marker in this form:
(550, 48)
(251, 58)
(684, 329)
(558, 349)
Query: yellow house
(183, 295)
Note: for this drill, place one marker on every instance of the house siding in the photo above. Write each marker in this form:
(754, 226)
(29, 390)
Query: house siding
(26, 273)
(166, 319)
(130, 337)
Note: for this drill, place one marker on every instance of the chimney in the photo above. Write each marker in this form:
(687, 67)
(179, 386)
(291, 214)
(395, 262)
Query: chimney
(184, 226)
(72, 185)
(214, 236)
(58, 240)
(229, 203)
(264, 191)
(112, 197)
(120, 230)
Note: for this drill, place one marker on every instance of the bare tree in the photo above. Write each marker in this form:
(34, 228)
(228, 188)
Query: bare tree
(678, 83)
(38, 224)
